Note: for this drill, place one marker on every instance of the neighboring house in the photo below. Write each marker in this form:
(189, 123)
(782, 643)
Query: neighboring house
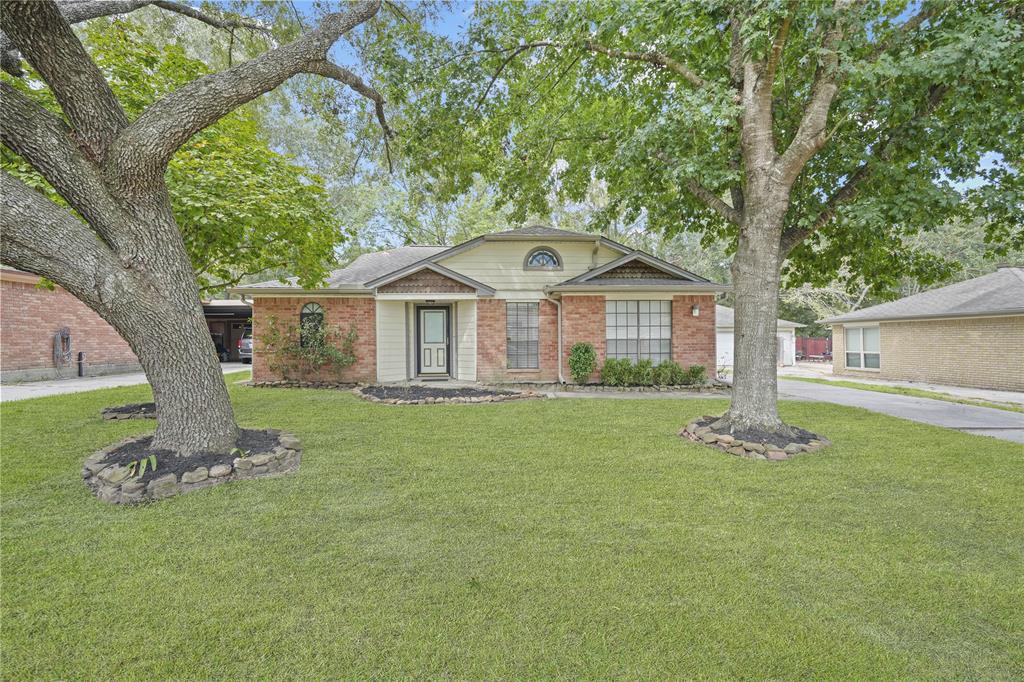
(504, 307)
(966, 334)
(32, 318)
(725, 329)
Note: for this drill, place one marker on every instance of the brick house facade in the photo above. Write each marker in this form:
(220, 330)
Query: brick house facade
(504, 307)
(31, 316)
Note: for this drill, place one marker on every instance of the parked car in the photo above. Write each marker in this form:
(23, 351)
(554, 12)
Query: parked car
(245, 347)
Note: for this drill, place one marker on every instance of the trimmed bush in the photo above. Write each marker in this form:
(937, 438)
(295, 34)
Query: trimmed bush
(695, 375)
(582, 362)
(615, 372)
(668, 373)
(642, 374)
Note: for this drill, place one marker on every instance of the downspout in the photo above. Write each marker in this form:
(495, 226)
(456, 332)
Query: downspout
(558, 314)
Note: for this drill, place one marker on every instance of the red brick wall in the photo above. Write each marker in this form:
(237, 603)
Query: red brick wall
(693, 338)
(29, 318)
(491, 335)
(583, 321)
(339, 313)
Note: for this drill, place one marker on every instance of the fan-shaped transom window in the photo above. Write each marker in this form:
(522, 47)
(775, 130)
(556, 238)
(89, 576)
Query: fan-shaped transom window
(311, 322)
(543, 258)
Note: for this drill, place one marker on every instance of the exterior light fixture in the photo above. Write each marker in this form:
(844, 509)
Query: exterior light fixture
(695, 309)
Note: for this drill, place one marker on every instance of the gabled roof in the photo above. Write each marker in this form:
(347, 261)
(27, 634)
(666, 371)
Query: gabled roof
(726, 317)
(998, 293)
(671, 276)
(480, 287)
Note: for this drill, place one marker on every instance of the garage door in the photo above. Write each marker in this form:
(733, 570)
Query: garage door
(724, 352)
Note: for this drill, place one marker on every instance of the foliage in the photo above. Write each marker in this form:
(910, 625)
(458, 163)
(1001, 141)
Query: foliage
(489, 522)
(668, 373)
(242, 207)
(298, 350)
(582, 362)
(616, 372)
(642, 373)
(696, 375)
(141, 464)
(548, 118)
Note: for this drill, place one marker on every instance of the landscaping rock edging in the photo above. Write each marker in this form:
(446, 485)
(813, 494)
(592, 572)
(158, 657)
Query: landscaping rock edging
(700, 433)
(111, 482)
(287, 383)
(601, 388)
(454, 399)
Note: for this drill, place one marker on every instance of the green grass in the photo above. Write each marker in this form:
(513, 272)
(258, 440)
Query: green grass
(542, 539)
(912, 392)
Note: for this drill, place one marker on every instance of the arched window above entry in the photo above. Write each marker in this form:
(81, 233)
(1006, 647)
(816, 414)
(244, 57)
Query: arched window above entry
(542, 258)
(311, 321)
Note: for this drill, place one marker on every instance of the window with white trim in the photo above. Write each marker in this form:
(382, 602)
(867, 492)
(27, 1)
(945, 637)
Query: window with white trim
(522, 323)
(862, 348)
(638, 330)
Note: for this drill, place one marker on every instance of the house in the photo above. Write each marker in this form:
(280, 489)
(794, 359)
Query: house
(725, 330)
(965, 334)
(49, 334)
(504, 307)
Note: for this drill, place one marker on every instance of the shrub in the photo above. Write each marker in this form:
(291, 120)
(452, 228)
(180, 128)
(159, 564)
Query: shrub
(668, 373)
(300, 350)
(615, 372)
(695, 374)
(642, 373)
(582, 362)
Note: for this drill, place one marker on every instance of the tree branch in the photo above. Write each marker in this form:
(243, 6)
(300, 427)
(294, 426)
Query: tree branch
(38, 236)
(42, 34)
(651, 57)
(712, 201)
(148, 144)
(45, 141)
(216, 22)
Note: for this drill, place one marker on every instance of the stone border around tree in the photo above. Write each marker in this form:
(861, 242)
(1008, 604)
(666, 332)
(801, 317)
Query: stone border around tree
(751, 450)
(111, 483)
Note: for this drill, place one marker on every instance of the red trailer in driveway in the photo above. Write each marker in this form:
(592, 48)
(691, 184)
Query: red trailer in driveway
(814, 348)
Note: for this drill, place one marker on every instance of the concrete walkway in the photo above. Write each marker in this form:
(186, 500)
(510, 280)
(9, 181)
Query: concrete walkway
(983, 421)
(40, 389)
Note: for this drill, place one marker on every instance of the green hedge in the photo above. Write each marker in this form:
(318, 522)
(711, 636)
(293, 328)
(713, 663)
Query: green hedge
(622, 372)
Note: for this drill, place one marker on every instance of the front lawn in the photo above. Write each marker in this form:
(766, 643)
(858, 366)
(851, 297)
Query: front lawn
(538, 539)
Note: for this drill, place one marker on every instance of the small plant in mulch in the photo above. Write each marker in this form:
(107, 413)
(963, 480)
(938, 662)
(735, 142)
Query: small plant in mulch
(130, 411)
(754, 443)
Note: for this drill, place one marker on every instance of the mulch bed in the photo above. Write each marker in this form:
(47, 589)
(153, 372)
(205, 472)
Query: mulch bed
(424, 392)
(249, 440)
(754, 443)
(800, 436)
(130, 411)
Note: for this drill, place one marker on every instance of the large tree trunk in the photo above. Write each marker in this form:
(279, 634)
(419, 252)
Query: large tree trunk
(755, 276)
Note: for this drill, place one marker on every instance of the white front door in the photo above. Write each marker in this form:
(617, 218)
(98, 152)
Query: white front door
(433, 341)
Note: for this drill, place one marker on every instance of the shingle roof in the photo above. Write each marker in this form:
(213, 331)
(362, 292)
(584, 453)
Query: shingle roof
(365, 268)
(541, 231)
(1001, 292)
(726, 317)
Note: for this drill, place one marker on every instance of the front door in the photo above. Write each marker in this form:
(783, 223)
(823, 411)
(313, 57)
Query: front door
(433, 342)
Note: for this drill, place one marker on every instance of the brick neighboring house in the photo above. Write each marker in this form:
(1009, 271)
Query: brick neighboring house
(965, 334)
(504, 307)
(31, 316)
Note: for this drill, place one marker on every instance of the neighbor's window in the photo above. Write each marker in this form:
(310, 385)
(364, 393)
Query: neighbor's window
(862, 348)
(639, 330)
(542, 258)
(523, 335)
(311, 321)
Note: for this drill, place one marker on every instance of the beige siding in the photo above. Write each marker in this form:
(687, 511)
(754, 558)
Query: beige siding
(976, 352)
(500, 265)
(465, 339)
(391, 339)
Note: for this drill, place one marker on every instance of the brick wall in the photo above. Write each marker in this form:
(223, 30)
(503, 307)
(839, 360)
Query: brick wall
(583, 321)
(339, 313)
(693, 338)
(976, 352)
(31, 316)
(491, 335)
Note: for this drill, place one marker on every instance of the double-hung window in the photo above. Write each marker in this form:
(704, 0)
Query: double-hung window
(862, 348)
(522, 321)
(639, 330)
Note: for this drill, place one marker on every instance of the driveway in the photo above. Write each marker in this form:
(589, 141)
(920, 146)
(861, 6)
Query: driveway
(983, 421)
(40, 389)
